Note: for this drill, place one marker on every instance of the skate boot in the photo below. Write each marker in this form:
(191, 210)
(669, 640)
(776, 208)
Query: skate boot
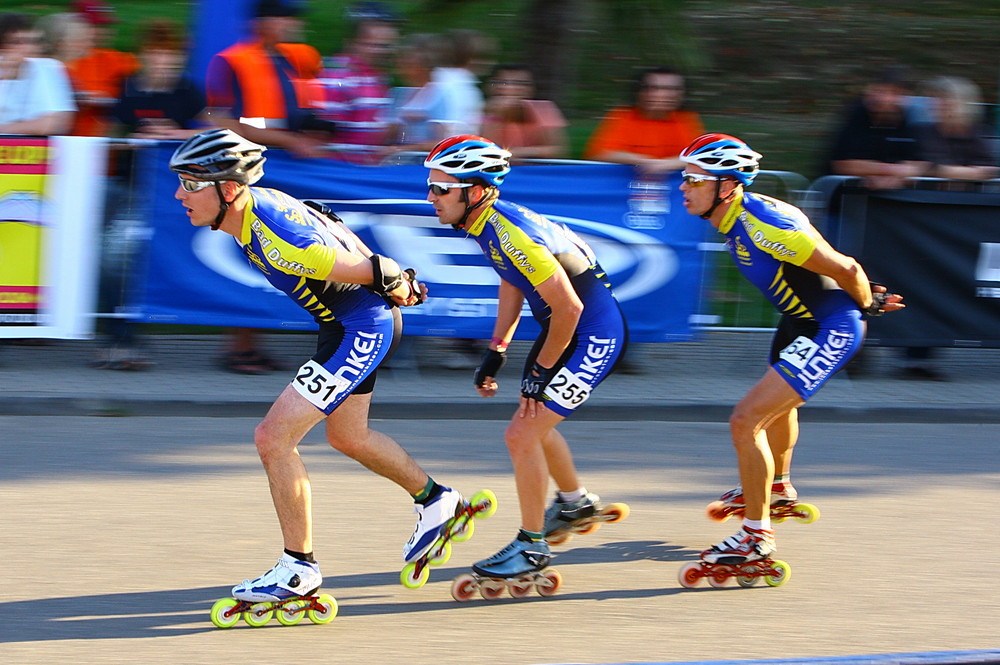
(290, 578)
(458, 528)
(430, 519)
(583, 516)
(520, 557)
(745, 556)
(519, 568)
(784, 504)
(287, 591)
(747, 544)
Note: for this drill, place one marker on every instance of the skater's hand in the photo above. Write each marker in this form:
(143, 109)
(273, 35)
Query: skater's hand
(533, 389)
(883, 301)
(485, 377)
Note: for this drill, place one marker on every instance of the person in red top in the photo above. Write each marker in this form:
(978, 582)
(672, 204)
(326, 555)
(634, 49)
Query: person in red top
(98, 76)
(652, 132)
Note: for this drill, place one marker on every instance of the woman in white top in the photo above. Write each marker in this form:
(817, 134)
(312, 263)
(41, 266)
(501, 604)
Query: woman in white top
(36, 96)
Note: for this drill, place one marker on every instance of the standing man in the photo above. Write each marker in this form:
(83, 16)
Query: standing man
(822, 295)
(583, 335)
(306, 252)
(355, 88)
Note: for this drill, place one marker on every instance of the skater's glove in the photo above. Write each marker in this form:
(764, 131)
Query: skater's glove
(417, 290)
(533, 385)
(880, 296)
(490, 365)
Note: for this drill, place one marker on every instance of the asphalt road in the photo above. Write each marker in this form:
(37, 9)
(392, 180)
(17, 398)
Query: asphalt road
(120, 533)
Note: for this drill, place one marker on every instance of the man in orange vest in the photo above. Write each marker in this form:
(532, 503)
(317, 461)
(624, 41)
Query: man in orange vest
(264, 88)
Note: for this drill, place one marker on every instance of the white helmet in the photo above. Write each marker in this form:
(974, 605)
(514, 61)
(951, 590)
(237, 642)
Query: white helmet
(220, 154)
(470, 156)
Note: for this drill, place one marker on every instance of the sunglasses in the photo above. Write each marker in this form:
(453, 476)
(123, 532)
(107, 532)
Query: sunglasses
(698, 179)
(195, 185)
(442, 188)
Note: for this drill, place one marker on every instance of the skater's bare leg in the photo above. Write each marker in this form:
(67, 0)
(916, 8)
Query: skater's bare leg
(769, 399)
(277, 438)
(347, 430)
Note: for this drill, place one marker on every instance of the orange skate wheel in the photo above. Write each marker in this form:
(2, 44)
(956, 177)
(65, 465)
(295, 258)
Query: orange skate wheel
(463, 587)
(717, 511)
(549, 583)
(492, 589)
(690, 574)
(615, 512)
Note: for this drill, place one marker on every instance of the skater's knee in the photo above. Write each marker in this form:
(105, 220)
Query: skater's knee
(269, 443)
(350, 444)
(743, 424)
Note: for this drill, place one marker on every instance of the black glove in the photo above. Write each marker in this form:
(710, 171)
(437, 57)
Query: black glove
(878, 299)
(492, 362)
(533, 385)
(411, 276)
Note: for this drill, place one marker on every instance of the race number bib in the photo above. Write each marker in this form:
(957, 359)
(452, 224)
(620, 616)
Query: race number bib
(318, 385)
(799, 351)
(567, 390)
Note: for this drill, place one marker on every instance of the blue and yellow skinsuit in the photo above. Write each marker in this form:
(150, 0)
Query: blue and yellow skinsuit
(296, 249)
(821, 326)
(525, 249)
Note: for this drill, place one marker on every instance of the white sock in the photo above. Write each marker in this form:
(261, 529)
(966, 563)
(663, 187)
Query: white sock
(575, 495)
(759, 525)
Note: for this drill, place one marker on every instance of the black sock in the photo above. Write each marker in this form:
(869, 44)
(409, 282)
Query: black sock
(301, 556)
(430, 492)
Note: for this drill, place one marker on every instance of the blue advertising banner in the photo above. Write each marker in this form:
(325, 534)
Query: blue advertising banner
(642, 236)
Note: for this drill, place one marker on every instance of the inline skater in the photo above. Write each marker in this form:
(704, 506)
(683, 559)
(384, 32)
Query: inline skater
(353, 295)
(583, 336)
(823, 297)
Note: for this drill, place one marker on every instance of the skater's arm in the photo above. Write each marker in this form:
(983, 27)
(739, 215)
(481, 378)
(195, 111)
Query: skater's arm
(566, 308)
(511, 300)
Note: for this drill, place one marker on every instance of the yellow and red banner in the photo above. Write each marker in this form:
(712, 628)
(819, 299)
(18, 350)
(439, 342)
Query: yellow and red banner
(24, 166)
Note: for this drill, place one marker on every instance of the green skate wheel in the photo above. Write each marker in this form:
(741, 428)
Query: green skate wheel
(443, 550)
(291, 612)
(328, 610)
(463, 532)
(409, 578)
(220, 613)
(810, 513)
(489, 499)
(782, 572)
(258, 615)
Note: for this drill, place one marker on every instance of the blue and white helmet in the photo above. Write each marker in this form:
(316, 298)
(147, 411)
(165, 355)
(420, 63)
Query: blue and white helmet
(724, 155)
(470, 156)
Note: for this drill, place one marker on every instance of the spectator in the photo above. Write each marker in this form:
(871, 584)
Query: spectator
(160, 101)
(529, 128)
(355, 87)
(418, 104)
(265, 89)
(64, 36)
(35, 93)
(877, 140)
(650, 133)
(957, 146)
(462, 53)
(99, 74)
(958, 143)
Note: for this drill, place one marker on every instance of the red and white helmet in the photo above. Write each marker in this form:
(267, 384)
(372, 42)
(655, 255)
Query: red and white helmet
(470, 156)
(724, 155)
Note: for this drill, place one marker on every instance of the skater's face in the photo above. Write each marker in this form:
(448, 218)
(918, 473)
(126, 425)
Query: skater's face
(700, 187)
(200, 199)
(445, 193)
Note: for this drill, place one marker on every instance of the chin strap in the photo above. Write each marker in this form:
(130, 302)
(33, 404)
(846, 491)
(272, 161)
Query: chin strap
(718, 200)
(469, 207)
(223, 207)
